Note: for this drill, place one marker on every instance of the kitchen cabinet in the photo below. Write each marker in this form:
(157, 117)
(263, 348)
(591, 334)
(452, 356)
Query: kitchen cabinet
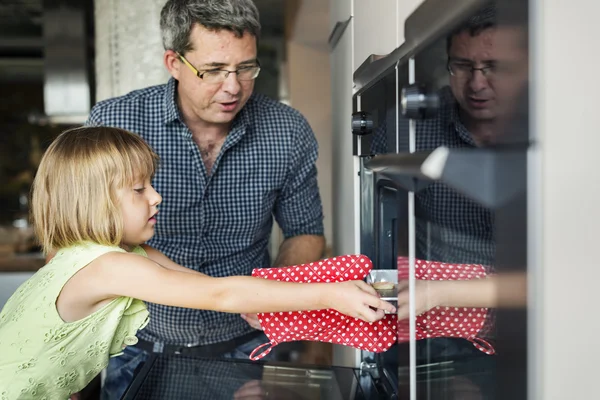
(375, 29)
(404, 9)
(378, 25)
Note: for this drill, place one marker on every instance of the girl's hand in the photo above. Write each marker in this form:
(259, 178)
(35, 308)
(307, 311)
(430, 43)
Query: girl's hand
(427, 296)
(359, 300)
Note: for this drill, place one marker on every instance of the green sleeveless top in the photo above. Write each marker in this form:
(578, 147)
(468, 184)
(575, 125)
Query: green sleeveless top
(41, 356)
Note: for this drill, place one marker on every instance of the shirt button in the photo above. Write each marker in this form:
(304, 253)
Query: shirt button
(130, 340)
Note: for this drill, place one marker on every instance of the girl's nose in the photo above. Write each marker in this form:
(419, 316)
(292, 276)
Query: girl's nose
(156, 198)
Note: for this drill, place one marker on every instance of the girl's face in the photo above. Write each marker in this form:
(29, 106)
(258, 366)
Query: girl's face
(138, 205)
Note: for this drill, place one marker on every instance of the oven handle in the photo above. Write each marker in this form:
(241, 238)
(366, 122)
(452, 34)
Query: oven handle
(491, 177)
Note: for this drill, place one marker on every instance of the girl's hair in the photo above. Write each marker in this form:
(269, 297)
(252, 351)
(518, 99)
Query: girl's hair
(74, 191)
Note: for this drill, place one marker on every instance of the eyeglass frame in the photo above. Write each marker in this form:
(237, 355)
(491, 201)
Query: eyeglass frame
(473, 69)
(200, 73)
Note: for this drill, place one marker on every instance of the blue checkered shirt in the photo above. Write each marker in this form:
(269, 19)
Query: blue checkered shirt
(220, 224)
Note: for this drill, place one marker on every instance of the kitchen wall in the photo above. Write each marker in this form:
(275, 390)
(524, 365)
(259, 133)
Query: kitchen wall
(309, 85)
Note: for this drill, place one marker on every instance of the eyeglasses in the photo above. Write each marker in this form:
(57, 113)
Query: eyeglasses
(219, 75)
(465, 70)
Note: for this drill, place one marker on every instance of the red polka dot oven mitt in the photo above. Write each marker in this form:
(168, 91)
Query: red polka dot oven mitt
(458, 322)
(328, 325)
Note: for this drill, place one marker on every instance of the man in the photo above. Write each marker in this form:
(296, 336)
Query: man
(230, 161)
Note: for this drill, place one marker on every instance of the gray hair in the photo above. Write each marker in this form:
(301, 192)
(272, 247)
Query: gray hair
(179, 16)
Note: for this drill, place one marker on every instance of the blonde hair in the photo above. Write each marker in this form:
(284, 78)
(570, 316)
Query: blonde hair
(74, 190)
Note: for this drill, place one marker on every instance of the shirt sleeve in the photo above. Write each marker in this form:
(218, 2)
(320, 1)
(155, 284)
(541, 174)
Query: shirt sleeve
(298, 209)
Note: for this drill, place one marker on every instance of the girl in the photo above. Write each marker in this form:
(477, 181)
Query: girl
(93, 207)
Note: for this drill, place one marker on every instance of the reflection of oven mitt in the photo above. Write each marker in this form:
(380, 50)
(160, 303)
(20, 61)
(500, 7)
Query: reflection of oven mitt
(457, 322)
(328, 325)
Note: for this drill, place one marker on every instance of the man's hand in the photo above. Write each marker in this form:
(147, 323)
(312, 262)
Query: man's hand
(252, 320)
(257, 390)
(251, 390)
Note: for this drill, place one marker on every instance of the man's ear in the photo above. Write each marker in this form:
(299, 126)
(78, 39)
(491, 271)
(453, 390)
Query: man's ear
(172, 62)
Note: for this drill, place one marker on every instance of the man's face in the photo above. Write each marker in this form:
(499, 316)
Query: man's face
(215, 103)
(487, 97)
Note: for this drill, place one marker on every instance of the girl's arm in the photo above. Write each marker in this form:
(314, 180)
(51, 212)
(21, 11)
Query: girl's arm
(508, 290)
(165, 261)
(125, 274)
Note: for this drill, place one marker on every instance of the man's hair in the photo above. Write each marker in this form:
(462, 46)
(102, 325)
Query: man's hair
(486, 18)
(509, 13)
(178, 17)
(74, 190)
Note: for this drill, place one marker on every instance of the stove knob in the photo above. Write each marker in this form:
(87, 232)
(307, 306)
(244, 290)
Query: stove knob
(362, 123)
(417, 102)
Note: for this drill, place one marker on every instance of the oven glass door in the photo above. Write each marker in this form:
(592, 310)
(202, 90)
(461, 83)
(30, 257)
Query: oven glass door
(471, 217)
(444, 200)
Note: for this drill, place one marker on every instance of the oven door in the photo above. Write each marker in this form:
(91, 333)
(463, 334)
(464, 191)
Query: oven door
(429, 192)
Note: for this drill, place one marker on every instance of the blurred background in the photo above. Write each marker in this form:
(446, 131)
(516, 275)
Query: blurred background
(59, 57)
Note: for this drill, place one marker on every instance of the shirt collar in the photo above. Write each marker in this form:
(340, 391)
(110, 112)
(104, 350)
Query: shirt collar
(171, 110)
(453, 118)
(243, 118)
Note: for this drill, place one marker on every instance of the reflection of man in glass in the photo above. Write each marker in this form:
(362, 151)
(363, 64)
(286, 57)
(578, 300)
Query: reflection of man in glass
(487, 66)
(488, 72)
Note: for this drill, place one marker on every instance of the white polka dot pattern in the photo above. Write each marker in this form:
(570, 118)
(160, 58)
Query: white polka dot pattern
(437, 271)
(463, 322)
(324, 325)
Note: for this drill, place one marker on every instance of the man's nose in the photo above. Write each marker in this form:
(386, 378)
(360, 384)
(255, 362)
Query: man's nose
(231, 84)
(478, 81)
